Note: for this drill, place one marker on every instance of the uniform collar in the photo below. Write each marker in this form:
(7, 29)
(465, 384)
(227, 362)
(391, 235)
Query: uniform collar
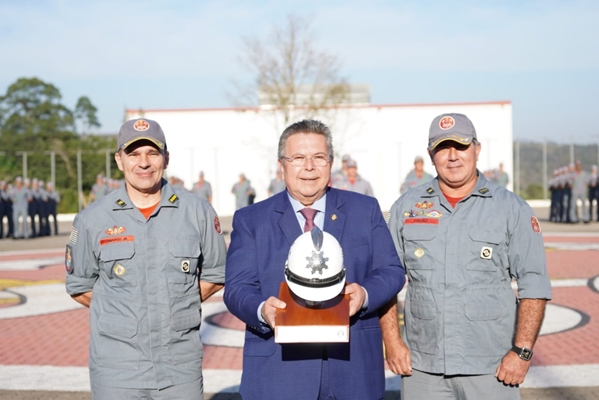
(481, 189)
(168, 198)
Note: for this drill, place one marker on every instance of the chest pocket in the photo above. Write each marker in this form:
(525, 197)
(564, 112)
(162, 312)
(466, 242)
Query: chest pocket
(183, 262)
(486, 247)
(117, 265)
(419, 245)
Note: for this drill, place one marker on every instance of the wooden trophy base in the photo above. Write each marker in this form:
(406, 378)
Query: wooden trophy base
(300, 323)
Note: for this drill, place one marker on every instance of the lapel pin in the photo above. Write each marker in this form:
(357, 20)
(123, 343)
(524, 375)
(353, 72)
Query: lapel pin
(334, 217)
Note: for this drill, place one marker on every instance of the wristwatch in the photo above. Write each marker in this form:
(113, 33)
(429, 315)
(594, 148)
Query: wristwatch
(523, 352)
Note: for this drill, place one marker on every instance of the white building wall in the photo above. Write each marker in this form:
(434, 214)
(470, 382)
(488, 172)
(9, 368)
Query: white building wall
(384, 140)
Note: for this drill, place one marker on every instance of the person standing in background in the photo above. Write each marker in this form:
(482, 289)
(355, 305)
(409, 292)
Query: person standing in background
(579, 179)
(593, 192)
(355, 182)
(20, 197)
(53, 200)
(415, 177)
(203, 189)
(277, 185)
(243, 191)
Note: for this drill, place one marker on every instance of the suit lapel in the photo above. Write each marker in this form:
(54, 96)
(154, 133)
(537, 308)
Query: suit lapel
(288, 221)
(334, 219)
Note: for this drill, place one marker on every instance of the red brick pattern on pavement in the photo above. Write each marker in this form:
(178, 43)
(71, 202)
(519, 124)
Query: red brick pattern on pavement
(576, 346)
(50, 273)
(569, 264)
(59, 339)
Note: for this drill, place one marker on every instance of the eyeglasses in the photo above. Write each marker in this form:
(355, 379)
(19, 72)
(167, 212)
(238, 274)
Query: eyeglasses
(319, 160)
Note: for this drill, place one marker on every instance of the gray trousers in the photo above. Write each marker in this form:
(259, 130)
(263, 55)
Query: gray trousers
(23, 230)
(574, 207)
(186, 391)
(422, 385)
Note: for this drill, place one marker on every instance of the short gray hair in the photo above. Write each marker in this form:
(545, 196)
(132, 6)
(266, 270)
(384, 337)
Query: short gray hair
(306, 126)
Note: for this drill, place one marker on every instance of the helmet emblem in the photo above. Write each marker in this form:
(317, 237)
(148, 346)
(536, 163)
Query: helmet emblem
(317, 262)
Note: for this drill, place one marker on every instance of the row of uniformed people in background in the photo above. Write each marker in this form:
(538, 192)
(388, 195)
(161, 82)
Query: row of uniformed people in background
(103, 186)
(346, 178)
(570, 184)
(26, 207)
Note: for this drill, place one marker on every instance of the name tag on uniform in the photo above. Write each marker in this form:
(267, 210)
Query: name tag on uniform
(432, 221)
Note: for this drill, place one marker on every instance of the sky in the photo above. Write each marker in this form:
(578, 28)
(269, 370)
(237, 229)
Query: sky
(543, 56)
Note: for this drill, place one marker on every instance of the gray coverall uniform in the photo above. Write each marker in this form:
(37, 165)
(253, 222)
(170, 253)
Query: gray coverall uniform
(360, 186)
(579, 191)
(20, 209)
(460, 309)
(204, 191)
(146, 309)
(240, 190)
(412, 181)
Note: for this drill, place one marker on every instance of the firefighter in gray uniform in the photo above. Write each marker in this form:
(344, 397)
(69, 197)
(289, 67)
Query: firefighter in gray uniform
(143, 258)
(463, 239)
(20, 197)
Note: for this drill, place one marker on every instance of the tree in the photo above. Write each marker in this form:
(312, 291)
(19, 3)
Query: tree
(290, 77)
(33, 117)
(34, 121)
(85, 114)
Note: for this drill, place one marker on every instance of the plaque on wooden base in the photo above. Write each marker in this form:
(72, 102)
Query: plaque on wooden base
(300, 323)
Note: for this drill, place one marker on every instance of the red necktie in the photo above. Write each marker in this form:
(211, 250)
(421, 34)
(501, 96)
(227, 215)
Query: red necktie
(309, 214)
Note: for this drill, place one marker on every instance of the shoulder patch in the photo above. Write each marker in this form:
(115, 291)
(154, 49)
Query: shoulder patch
(430, 190)
(217, 226)
(121, 203)
(173, 198)
(536, 227)
(483, 191)
(68, 259)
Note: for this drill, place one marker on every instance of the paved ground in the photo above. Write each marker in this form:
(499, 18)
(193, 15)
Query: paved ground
(44, 335)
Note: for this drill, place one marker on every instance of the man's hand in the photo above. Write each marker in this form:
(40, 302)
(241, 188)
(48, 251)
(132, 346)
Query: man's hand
(357, 297)
(512, 369)
(83, 298)
(269, 310)
(397, 352)
(398, 357)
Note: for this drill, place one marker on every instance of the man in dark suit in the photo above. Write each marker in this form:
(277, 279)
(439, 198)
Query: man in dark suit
(260, 241)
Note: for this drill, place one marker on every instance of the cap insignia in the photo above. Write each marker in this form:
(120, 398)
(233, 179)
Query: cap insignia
(141, 125)
(446, 123)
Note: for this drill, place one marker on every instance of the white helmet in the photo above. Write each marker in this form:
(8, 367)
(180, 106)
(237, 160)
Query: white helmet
(314, 269)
